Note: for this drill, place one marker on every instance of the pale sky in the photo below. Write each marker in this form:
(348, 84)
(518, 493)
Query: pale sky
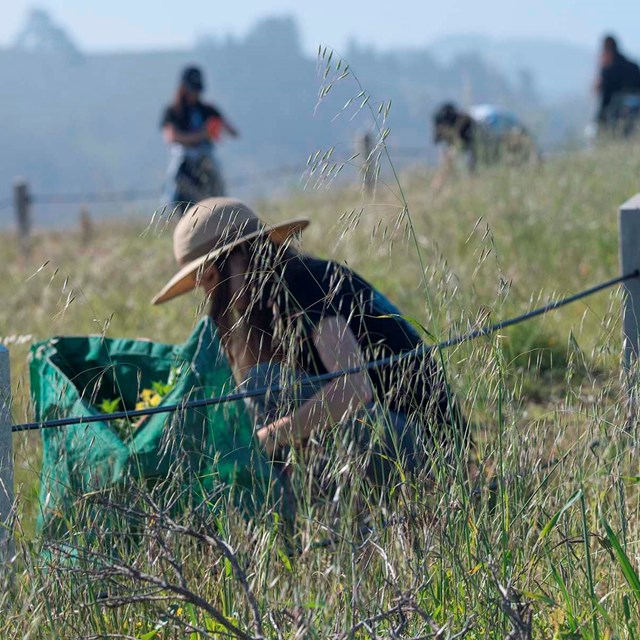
(100, 25)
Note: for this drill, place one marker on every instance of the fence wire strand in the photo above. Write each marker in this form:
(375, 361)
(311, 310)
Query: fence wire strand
(133, 195)
(96, 197)
(332, 375)
(138, 195)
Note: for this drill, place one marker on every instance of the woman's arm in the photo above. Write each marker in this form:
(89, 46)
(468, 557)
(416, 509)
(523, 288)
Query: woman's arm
(188, 138)
(338, 349)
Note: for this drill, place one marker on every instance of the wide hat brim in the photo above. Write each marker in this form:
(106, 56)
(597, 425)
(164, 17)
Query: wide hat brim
(187, 278)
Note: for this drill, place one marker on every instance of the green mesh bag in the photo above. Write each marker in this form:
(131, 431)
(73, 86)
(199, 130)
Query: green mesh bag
(208, 451)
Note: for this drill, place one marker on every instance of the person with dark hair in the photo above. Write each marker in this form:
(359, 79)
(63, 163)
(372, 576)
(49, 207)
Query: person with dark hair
(455, 129)
(618, 86)
(483, 133)
(282, 315)
(191, 127)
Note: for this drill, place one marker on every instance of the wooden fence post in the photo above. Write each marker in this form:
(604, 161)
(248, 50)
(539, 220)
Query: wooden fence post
(6, 455)
(629, 242)
(86, 227)
(364, 148)
(22, 205)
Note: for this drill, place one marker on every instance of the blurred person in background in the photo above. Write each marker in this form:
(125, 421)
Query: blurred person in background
(192, 128)
(618, 87)
(482, 134)
(455, 130)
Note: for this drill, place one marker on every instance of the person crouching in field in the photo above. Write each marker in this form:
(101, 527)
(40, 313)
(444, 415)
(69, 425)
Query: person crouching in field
(484, 134)
(282, 315)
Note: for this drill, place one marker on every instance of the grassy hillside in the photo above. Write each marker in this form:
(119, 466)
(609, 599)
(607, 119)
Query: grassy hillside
(543, 531)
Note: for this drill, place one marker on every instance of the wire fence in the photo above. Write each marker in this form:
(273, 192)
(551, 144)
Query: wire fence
(139, 195)
(279, 172)
(410, 152)
(133, 195)
(95, 197)
(422, 350)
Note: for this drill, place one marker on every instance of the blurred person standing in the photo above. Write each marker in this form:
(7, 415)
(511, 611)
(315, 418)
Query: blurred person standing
(618, 87)
(192, 127)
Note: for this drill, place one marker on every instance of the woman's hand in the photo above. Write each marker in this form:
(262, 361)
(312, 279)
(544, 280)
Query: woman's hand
(275, 435)
(338, 349)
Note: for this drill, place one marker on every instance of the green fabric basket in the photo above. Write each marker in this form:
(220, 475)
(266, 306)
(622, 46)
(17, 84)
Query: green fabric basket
(210, 451)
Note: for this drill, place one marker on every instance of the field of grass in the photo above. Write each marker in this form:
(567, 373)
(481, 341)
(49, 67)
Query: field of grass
(538, 537)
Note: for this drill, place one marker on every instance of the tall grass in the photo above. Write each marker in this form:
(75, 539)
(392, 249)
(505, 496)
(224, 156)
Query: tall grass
(535, 532)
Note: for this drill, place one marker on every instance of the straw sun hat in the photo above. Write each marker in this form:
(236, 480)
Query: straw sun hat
(211, 228)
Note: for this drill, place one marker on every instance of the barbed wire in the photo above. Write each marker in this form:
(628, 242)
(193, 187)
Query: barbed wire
(422, 350)
(280, 172)
(95, 197)
(411, 152)
(133, 195)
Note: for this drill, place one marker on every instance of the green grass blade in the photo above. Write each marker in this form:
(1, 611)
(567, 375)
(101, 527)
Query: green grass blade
(554, 520)
(628, 571)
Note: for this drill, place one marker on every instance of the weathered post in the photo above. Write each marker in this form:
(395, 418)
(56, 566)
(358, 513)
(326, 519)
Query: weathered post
(629, 230)
(6, 454)
(86, 227)
(364, 150)
(22, 205)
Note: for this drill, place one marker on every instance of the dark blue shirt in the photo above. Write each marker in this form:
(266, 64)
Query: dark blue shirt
(621, 77)
(191, 117)
(315, 289)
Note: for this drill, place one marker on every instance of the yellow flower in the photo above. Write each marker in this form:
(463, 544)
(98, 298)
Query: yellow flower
(155, 400)
(140, 405)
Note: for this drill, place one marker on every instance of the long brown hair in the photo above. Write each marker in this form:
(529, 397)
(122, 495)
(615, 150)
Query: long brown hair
(179, 103)
(250, 323)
